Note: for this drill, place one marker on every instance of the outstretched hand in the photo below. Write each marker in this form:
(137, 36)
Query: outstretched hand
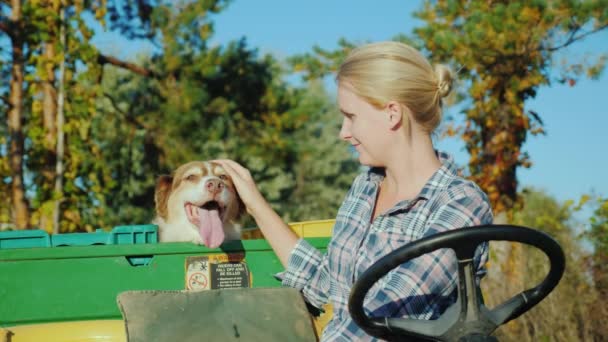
(282, 239)
(244, 184)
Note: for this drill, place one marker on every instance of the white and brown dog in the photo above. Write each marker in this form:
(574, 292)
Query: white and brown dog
(198, 203)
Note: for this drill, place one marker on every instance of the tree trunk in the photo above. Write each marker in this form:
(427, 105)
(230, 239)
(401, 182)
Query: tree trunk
(499, 145)
(49, 102)
(15, 116)
(49, 118)
(60, 134)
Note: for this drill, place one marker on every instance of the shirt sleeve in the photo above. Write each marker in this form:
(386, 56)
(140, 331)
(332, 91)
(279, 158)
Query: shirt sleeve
(424, 287)
(307, 271)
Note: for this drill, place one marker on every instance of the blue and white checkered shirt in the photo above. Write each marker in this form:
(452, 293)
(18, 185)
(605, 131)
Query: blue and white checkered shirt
(422, 288)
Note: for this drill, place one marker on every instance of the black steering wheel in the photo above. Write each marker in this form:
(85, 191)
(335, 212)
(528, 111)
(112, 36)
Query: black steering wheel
(468, 319)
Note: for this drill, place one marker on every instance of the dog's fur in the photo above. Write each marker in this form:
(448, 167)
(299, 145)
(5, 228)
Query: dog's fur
(197, 189)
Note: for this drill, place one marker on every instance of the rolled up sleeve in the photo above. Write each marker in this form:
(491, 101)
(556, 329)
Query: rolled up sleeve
(307, 271)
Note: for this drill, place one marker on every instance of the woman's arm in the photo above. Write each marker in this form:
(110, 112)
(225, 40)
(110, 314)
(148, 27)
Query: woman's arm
(280, 237)
(307, 270)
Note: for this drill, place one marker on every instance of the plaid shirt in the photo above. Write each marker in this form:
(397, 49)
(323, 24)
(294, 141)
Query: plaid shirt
(422, 288)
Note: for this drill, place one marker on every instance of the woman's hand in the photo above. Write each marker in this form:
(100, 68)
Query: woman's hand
(277, 233)
(244, 184)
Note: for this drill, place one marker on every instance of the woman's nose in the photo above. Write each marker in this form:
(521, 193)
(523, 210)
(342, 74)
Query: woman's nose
(345, 133)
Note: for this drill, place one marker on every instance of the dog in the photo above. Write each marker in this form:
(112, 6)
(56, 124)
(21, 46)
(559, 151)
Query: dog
(198, 203)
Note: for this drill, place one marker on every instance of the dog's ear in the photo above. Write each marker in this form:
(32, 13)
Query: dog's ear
(161, 195)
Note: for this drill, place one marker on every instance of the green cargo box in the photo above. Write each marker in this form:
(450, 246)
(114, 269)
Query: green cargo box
(120, 235)
(76, 283)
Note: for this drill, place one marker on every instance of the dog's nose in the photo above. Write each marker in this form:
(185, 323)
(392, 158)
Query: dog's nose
(214, 186)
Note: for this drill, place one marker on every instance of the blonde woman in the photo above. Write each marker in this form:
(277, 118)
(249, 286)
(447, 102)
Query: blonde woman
(390, 98)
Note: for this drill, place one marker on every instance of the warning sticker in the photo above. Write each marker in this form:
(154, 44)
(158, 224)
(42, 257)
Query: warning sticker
(217, 271)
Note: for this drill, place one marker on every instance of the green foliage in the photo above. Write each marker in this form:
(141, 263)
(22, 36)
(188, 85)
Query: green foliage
(284, 135)
(321, 63)
(543, 212)
(598, 232)
(598, 236)
(570, 312)
(321, 167)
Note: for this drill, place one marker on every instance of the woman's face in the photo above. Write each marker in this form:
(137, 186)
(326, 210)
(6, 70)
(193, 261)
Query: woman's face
(365, 127)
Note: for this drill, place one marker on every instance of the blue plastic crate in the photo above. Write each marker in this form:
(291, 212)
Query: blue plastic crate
(79, 239)
(24, 239)
(120, 235)
(145, 233)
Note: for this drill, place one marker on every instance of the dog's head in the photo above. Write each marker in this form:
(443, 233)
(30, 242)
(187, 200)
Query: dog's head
(202, 192)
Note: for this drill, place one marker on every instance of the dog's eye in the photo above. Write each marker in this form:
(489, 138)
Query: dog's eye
(191, 178)
(223, 177)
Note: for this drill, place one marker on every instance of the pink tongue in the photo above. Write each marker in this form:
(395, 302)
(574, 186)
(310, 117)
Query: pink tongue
(210, 227)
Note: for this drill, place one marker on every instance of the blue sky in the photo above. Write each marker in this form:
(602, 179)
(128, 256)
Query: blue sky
(567, 162)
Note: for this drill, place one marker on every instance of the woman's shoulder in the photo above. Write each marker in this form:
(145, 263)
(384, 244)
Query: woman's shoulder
(452, 184)
(461, 203)
(460, 189)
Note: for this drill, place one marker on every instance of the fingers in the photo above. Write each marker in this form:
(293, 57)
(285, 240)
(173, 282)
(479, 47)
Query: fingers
(245, 185)
(229, 168)
(233, 168)
(229, 162)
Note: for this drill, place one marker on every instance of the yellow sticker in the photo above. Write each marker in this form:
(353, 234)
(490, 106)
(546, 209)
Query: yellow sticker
(217, 271)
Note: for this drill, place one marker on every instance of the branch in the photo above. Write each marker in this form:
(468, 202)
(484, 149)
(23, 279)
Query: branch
(4, 25)
(103, 59)
(574, 38)
(114, 104)
(125, 115)
(6, 100)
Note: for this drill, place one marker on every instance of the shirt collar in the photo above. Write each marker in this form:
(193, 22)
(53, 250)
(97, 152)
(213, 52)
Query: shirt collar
(442, 177)
(439, 180)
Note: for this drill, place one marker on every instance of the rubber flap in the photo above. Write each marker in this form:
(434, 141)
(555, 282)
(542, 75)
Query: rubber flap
(250, 314)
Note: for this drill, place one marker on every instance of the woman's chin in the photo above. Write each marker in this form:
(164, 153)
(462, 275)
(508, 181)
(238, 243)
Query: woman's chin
(366, 161)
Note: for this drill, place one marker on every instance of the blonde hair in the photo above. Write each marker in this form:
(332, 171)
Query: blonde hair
(392, 71)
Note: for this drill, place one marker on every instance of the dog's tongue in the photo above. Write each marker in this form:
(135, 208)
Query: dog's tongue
(210, 227)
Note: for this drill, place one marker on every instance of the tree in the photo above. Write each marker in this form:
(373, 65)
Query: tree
(185, 101)
(598, 236)
(34, 28)
(505, 51)
(323, 167)
(14, 27)
(225, 102)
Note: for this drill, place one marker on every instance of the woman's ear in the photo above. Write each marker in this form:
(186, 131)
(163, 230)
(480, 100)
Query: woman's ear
(396, 113)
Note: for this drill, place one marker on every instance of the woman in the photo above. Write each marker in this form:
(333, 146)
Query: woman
(390, 98)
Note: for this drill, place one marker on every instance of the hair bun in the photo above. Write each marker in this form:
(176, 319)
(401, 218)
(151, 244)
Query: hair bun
(444, 80)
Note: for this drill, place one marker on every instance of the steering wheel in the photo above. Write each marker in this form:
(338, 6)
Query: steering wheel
(468, 319)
